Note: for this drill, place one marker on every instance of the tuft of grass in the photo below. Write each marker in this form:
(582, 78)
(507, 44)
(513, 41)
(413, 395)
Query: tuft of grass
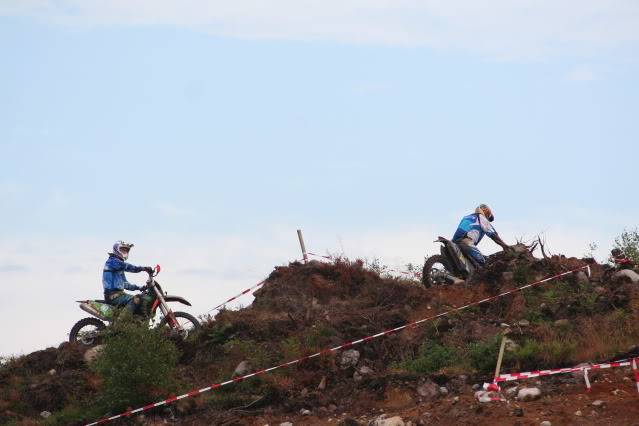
(432, 357)
(483, 354)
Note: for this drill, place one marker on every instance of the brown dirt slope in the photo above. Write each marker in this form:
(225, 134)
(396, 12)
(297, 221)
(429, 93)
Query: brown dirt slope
(304, 308)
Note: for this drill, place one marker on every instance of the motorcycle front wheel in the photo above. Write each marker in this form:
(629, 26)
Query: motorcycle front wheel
(435, 271)
(187, 322)
(86, 331)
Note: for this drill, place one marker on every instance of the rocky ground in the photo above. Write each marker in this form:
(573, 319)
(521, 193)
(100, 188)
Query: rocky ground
(422, 375)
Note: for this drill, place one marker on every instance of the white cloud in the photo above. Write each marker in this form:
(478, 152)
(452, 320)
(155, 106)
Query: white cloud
(498, 28)
(582, 74)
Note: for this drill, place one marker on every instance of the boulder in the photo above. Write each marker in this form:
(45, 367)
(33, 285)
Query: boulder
(364, 370)
(322, 384)
(92, 353)
(545, 423)
(349, 358)
(242, 369)
(528, 394)
(582, 278)
(626, 274)
(428, 389)
(391, 421)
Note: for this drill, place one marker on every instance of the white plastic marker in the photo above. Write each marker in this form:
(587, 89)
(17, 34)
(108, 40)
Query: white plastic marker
(635, 373)
(587, 380)
(196, 392)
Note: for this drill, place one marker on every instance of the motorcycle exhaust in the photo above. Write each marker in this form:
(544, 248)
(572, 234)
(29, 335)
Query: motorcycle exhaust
(91, 310)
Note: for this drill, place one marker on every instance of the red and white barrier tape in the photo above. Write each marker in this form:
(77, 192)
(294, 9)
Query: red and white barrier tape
(261, 283)
(540, 373)
(346, 345)
(583, 368)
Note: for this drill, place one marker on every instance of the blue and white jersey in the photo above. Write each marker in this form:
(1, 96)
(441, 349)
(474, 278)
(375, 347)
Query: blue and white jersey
(113, 274)
(474, 226)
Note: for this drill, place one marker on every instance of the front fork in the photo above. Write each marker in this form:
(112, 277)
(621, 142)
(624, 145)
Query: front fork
(166, 311)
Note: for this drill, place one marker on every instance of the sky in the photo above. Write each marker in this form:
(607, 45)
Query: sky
(207, 133)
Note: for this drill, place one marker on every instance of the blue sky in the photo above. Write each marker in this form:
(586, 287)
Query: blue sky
(208, 135)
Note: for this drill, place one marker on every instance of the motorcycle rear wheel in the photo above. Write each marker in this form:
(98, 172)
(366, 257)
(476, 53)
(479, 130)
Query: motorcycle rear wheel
(187, 321)
(86, 331)
(434, 266)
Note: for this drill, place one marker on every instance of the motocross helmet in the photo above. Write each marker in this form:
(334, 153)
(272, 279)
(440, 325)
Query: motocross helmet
(121, 249)
(486, 211)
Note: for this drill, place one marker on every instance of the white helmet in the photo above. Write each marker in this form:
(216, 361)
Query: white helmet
(121, 249)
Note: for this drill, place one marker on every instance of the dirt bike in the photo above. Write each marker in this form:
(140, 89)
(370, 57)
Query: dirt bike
(450, 266)
(87, 331)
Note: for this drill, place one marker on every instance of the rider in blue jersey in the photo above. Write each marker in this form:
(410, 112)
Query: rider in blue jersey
(114, 281)
(472, 229)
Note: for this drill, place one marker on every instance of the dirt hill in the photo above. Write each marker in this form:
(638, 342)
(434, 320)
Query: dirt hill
(425, 375)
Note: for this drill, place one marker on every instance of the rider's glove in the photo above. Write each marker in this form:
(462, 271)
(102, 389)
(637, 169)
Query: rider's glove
(148, 269)
(141, 287)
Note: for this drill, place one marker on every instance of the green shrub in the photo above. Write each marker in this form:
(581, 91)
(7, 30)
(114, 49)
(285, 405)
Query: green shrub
(526, 355)
(628, 242)
(432, 357)
(483, 355)
(522, 273)
(255, 353)
(137, 365)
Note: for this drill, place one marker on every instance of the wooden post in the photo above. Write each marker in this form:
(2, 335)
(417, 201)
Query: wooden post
(299, 236)
(501, 354)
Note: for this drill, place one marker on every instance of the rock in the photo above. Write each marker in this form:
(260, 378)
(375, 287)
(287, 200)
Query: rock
(511, 391)
(242, 369)
(383, 421)
(304, 393)
(476, 386)
(528, 394)
(545, 423)
(562, 323)
(578, 413)
(582, 278)
(357, 377)
(455, 400)
(305, 412)
(485, 396)
(52, 372)
(627, 274)
(322, 384)
(523, 323)
(349, 358)
(286, 424)
(45, 414)
(598, 403)
(443, 390)
(510, 345)
(428, 389)
(364, 370)
(332, 408)
(92, 353)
